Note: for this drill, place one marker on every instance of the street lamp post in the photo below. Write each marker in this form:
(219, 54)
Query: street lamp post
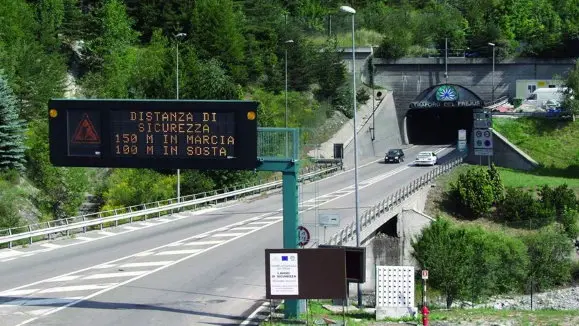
(351, 11)
(493, 75)
(286, 110)
(446, 60)
(178, 36)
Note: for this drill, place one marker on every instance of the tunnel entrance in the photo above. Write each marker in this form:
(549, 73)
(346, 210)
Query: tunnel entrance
(438, 112)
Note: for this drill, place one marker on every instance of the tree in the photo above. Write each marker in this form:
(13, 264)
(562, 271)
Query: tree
(11, 129)
(550, 257)
(571, 94)
(63, 189)
(445, 251)
(50, 16)
(217, 31)
(474, 193)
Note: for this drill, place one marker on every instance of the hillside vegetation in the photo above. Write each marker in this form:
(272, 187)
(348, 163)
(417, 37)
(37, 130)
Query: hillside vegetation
(229, 50)
(552, 143)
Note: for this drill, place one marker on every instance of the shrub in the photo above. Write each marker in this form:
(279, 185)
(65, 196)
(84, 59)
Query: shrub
(496, 183)
(549, 257)
(469, 262)
(473, 193)
(569, 220)
(520, 209)
(558, 198)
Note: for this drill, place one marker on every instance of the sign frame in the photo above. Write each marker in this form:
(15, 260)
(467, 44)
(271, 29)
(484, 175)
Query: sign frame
(321, 273)
(245, 133)
(425, 274)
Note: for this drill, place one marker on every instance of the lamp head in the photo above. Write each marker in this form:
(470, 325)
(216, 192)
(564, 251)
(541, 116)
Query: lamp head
(347, 9)
(491, 44)
(181, 35)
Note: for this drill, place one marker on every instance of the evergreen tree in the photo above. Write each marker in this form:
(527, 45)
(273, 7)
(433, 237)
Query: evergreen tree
(11, 128)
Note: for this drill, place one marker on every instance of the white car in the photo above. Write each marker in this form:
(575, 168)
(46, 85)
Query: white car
(426, 158)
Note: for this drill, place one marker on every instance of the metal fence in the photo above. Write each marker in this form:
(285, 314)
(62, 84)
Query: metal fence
(100, 220)
(348, 233)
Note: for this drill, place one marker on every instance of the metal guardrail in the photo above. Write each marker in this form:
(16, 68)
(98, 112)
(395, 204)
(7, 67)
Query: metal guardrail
(129, 213)
(349, 232)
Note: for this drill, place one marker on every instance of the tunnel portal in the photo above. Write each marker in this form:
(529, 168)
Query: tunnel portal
(438, 112)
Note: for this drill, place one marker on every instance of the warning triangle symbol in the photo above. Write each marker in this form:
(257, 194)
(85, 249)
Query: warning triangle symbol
(85, 132)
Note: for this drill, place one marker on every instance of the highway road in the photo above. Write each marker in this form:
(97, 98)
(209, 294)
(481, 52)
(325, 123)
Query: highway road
(193, 268)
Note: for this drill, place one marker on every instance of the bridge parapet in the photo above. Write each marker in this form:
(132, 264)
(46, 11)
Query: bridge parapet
(370, 219)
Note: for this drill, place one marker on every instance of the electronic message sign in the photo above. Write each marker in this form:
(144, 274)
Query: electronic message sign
(174, 134)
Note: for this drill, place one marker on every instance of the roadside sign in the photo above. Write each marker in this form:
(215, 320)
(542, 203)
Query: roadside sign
(481, 124)
(327, 219)
(483, 151)
(483, 138)
(167, 134)
(303, 236)
(424, 274)
(462, 146)
(462, 134)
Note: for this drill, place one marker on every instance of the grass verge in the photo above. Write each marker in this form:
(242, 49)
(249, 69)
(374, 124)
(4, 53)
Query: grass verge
(317, 313)
(552, 143)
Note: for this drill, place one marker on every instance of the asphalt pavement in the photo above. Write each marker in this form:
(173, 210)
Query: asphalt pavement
(192, 268)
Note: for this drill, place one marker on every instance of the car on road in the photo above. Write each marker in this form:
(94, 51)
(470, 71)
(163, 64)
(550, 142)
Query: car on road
(426, 158)
(394, 155)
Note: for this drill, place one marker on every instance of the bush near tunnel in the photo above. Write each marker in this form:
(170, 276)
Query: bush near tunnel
(470, 263)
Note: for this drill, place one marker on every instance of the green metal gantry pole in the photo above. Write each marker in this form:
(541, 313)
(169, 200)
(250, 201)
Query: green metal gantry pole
(289, 167)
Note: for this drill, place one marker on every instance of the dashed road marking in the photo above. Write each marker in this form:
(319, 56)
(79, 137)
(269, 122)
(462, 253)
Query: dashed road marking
(178, 252)
(112, 275)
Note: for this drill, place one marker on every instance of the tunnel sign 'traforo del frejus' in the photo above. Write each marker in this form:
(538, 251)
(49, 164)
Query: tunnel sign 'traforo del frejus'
(172, 134)
(446, 96)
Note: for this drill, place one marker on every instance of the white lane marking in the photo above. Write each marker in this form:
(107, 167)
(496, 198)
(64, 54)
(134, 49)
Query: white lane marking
(64, 278)
(9, 253)
(77, 288)
(144, 253)
(147, 264)
(103, 266)
(258, 223)
(106, 233)
(145, 224)
(273, 218)
(153, 271)
(114, 286)
(17, 292)
(84, 238)
(243, 228)
(50, 245)
(222, 235)
(128, 227)
(178, 252)
(9, 259)
(202, 243)
(38, 302)
(111, 275)
(161, 220)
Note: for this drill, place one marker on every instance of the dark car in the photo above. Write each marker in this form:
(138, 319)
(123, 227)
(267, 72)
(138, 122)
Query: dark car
(394, 155)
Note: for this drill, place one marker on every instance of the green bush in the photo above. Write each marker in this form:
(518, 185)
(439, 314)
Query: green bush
(569, 220)
(473, 193)
(520, 209)
(9, 216)
(559, 198)
(496, 183)
(470, 263)
(549, 257)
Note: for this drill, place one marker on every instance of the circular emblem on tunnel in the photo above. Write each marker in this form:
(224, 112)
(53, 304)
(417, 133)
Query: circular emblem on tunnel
(446, 93)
